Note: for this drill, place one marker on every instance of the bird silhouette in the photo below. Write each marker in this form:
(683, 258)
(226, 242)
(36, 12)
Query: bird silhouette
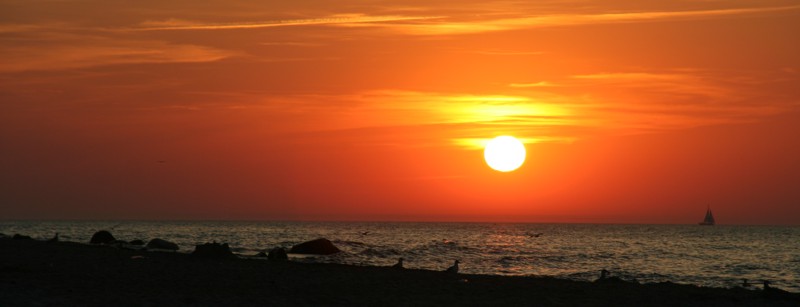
(605, 278)
(745, 284)
(54, 238)
(604, 274)
(771, 292)
(453, 269)
(399, 264)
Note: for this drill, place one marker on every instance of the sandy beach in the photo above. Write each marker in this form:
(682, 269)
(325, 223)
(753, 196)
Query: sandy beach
(38, 273)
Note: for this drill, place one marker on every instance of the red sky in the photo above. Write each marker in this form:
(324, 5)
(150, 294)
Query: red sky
(631, 111)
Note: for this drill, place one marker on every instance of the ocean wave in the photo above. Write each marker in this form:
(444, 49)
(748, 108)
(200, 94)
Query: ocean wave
(383, 253)
(348, 243)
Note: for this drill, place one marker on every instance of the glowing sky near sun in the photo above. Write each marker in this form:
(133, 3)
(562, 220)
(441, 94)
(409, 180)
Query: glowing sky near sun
(630, 111)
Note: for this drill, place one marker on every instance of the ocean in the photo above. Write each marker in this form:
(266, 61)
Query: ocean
(717, 256)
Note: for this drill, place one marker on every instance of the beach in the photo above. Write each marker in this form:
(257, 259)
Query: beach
(39, 273)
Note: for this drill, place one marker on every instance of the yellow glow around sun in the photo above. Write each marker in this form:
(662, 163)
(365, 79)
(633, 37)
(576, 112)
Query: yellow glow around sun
(504, 153)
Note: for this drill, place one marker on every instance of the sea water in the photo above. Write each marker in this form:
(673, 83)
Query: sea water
(718, 256)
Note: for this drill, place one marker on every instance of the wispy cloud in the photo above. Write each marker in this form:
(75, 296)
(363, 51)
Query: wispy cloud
(533, 84)
(460, 119)
(580, 107)
(636, 102)
(478, 25)
(678, 83)
(508, 53)
(292, 44)
(99, 52)
(17, 28)
(431, 108)
(177, 24)
(480, 143)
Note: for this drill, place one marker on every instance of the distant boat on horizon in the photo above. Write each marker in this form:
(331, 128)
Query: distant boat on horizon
(709, 219)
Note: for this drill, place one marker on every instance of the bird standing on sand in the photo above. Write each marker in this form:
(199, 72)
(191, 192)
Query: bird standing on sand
(604, 274)
(399, 264)
(54, 238)
(771, 292)
(453, 269)
(604, 277)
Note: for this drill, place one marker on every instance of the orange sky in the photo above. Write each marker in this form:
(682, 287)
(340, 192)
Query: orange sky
(631, 111)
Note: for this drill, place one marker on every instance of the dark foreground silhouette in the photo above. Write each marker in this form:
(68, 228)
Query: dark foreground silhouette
(66, 273)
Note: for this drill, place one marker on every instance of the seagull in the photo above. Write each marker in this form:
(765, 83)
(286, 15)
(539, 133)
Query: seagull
(399, 264)
(453, 269)
(54, 239)
(605, 278)
(774, 292)
(604, 274)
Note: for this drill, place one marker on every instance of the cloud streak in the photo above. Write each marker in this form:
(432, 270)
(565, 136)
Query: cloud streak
(351, 19)
(100, 52)
(581, 106)
(455, 26)
(532, 84)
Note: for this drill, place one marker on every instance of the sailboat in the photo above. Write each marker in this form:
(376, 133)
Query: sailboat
(709, 220)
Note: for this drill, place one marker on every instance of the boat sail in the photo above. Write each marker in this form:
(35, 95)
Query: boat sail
(709, 220)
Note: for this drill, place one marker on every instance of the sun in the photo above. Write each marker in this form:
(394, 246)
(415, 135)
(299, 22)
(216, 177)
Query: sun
(504, 153)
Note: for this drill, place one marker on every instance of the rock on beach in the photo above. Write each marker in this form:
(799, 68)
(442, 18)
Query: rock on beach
(102, 237)
(278, 254)
(319, 246)
(213, 250)
(161, 244)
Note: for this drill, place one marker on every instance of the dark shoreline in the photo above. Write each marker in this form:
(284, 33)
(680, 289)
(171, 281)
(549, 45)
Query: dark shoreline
(36, 273)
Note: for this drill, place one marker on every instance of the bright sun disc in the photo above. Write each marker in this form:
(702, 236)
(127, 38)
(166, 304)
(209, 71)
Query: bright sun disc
(504, 153)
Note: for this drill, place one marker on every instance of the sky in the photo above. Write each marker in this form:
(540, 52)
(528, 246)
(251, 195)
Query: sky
(630, 111)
